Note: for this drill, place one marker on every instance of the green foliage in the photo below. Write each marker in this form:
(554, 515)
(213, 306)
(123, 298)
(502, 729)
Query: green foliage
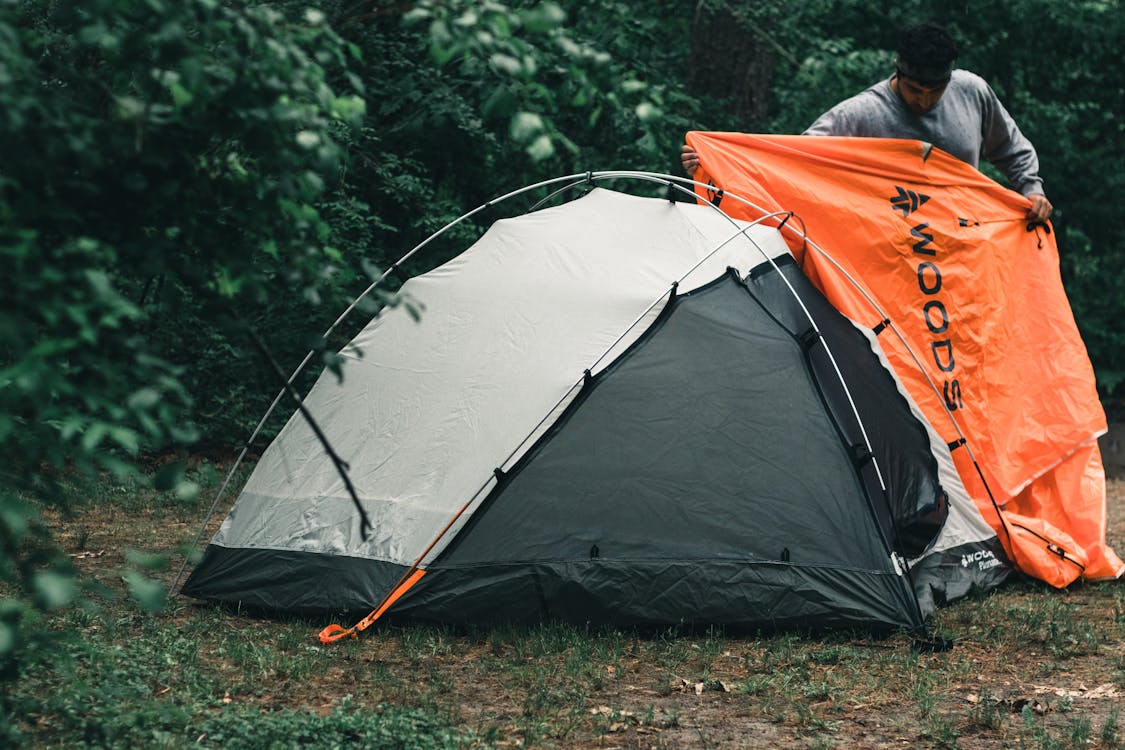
(147, 146)
(536, 80)
(1068, 104)
(176, 174)
(164, 166)
(157, 691)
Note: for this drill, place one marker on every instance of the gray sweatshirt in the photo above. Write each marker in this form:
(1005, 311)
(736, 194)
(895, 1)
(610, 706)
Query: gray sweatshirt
(968, 122)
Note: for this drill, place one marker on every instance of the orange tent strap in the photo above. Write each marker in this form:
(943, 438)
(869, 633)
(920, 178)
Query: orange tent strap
(334, 633)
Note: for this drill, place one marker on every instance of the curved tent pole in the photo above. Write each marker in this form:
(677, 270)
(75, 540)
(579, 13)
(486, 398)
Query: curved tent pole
(587, 179)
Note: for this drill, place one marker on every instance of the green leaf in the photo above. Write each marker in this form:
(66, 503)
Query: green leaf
(129, 107)
(544, 18)
(7, 639)
(119, 469)
(181, 97)
(169, 476)
(184, 434)
(525, 126)
(440, 34)
(14, 517)
(234, 164)
(648, 112)
(93, 435)
(53, 589)
(154, 561)
(349, 109)
(127, 438)
(143, 399)
(416, 15)
(501, 103)
(145, 591)
(308, 139)
(541, 148)
(187, 492)
(506, 64)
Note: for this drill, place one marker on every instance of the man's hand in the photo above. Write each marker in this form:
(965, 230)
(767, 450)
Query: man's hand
(1040, 210)
(690, 160)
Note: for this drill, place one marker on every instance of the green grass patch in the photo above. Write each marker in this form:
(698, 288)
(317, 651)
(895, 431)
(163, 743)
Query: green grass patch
(1032, 667)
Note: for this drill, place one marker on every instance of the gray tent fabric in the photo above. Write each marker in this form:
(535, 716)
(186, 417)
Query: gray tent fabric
(596, 421)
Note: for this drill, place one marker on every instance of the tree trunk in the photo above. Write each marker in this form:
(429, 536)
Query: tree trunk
(731, 60)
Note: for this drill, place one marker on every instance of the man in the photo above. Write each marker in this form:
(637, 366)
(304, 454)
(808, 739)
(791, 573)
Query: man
(927, 100)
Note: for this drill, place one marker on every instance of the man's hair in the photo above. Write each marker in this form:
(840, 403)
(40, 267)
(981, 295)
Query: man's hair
(927, 47)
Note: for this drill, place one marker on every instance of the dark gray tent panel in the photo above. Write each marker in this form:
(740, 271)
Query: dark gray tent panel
(870, 411)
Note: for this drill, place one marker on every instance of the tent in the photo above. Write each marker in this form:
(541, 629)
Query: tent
(619, 410)
(968, 304)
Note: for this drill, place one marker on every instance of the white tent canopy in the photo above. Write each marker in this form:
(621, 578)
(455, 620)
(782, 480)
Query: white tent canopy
(516, 314)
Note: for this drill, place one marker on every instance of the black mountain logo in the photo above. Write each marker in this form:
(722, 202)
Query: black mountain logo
(907, 201)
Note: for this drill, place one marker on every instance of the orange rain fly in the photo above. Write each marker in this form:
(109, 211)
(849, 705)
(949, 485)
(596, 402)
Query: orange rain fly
(948, 257)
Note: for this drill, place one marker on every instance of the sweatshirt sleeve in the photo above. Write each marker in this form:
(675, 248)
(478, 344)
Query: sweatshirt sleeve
(827, 124)
(837, 121)
(1006, 148)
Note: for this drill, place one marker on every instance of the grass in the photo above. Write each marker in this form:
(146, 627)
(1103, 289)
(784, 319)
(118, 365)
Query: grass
(1032, 668)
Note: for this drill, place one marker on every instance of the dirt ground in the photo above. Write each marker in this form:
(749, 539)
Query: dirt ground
(1032, 667)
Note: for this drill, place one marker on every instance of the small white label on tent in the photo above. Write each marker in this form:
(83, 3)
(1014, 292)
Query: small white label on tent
(895, 562)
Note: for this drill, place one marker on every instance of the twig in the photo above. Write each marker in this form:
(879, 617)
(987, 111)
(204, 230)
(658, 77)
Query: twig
(341, 465)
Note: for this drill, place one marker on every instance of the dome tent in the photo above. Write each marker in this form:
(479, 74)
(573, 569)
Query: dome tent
(618, 410)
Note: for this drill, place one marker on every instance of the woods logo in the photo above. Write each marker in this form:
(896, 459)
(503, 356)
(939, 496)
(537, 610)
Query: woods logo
(983, 558)
(934, 311)
(907, 201)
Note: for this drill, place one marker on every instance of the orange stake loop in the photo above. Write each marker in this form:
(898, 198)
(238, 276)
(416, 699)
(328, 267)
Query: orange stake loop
(334, 633)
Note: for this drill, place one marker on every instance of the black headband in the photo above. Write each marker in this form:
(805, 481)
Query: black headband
(924, 74)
